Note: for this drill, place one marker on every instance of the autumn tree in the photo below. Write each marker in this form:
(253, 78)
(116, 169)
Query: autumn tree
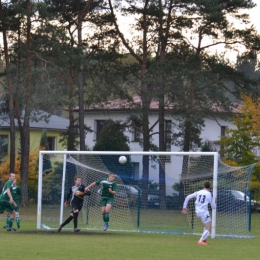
(8, 20)
(240, 143)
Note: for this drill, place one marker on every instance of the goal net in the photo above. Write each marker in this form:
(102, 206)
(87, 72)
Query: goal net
(152, 187)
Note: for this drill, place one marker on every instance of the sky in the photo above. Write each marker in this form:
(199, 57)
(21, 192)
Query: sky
(254, 14)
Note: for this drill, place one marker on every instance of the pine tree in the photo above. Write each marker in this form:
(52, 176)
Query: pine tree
(44, 145)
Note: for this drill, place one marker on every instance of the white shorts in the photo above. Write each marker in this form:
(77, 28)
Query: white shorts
(204, 217)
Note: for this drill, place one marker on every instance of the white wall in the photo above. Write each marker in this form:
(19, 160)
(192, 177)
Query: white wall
(211, 132)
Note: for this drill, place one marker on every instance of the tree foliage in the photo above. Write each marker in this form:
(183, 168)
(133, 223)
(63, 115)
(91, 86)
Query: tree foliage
(112, 137)
(32, 172)
(240, 143)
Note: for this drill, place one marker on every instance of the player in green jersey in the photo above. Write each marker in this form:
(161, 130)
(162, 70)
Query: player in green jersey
(109, 189)
(7, 203)
(16, 193)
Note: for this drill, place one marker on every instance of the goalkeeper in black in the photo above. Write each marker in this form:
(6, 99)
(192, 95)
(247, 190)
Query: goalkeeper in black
(76, 193)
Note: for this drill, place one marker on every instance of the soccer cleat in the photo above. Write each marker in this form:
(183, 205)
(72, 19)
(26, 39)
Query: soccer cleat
(18, 227)
(205, 241)
(76, 230)
(105, 227)
(5, 227)
(202, 243)
(11, 229)
(60, 228)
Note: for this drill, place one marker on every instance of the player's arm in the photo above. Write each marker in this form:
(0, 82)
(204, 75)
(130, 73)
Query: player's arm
(213, 203)
(87, 193)
(82, 192)
(186, 201)
(90, 186)
(66, 203)
(113, 189)
(10, 197)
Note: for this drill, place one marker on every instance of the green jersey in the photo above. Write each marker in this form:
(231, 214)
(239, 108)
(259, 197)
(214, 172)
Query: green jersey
(16, 193)
(106, 184)
(4, 195)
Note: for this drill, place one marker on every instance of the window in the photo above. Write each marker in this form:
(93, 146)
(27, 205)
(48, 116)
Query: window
(223, 131)
(99, 126)
(137, 135)
(168, 139)
(3, 144)
(168, 135)
(52, 143)
(136, 170)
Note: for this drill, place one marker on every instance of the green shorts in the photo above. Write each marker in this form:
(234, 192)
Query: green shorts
(104, 201)
(16, 209)
(6, 206)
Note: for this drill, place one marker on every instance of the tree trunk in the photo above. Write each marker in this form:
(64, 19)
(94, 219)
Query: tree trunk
(25, 131)
(146, 147)
(81, 94)
(186, 147)
(81, 14)
(81, 110)
(25, 148)
(11, 102)
(185, 161)
(162, 185)
(71, 129)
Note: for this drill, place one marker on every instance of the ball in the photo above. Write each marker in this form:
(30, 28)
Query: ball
(122, 159)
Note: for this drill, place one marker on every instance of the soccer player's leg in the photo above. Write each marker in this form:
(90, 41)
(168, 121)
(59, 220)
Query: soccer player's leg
(7, 219)
(17, 215)
(5, 205)
(206, 220)
(103, 204)
(67, 221)
(11, 220)
(107, 213)
(76, 211)
(2, 210)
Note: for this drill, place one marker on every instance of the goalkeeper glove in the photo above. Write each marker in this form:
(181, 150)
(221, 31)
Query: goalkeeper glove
(88, 193)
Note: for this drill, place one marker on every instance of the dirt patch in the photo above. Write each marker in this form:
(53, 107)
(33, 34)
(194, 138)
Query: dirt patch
(81, 233)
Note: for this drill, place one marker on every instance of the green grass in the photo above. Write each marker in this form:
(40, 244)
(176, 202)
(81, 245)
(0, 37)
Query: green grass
(28, 243)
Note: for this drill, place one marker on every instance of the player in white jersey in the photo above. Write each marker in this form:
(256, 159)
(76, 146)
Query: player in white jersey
(203, 199)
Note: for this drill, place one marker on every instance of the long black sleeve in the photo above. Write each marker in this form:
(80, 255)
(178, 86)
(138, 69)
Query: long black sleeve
(87, 193)
(69, 194)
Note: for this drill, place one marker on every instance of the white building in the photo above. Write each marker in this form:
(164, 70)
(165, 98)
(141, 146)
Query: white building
(97, 114)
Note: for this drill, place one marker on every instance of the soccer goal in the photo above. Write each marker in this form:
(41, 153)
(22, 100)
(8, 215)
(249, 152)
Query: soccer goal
(151, 189)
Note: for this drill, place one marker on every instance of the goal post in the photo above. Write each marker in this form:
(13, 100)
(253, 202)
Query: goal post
(150, 204)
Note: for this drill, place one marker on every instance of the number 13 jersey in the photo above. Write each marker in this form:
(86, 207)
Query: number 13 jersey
(203, 199)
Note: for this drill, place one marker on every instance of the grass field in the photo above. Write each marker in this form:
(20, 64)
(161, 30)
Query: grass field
(29, 243)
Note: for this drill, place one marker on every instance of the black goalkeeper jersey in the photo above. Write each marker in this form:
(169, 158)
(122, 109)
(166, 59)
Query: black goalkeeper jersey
(72, 193)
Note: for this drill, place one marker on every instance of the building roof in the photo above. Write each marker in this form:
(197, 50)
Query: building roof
(51, 122)
(123, 104)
